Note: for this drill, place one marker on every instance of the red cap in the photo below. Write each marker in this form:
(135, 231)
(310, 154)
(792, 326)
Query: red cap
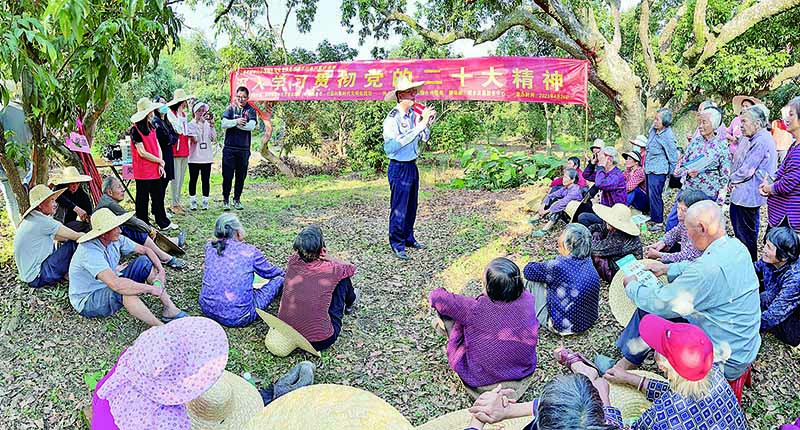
(686, 347)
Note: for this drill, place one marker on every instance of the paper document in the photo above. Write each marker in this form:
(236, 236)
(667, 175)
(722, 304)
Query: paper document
(700, 163)
(633, 267)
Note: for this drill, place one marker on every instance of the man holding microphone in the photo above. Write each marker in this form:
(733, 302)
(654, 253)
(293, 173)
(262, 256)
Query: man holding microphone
(403, 129)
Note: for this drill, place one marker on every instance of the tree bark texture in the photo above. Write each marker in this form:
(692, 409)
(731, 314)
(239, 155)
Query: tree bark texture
(13, 175)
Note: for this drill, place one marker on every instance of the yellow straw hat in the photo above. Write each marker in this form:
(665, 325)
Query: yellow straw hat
(572, 207)
(178, 96)
(39, 194)
(71, 176)
(402, 84)
(459, 420)
(617, 216)
(621, 306)
(143, 108)
(631, 402)
(282, 338)
(519, 387)
(103, 221)
(737, 103)
(228, 405)
(598, 143)
(328, 406)
(166, 245)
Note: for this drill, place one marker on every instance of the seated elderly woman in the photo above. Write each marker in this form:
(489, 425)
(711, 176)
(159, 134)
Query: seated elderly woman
(675, 246)
(491, 338)
(74, 204)
(554, 204)
(695, 385)
(615, 238)
(779, 273)
(229, 294)
(635, 184)
(566, 290)
(318, 290)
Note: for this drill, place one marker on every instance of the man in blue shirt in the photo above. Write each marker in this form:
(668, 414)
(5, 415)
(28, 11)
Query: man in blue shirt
(402, 132)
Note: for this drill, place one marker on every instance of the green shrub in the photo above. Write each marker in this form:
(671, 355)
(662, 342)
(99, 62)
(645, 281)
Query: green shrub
(493, 169)
(455, 131)
(365, 148)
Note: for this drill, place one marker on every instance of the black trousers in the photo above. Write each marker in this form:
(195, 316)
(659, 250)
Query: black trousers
(195, 170)
(151, 191)
(234, 163)
(745, 222)
(344, 295)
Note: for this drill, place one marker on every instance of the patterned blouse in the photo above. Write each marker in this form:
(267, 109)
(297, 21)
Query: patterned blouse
(780, 301)
(634, 178)
(679, 235)
(715, 176)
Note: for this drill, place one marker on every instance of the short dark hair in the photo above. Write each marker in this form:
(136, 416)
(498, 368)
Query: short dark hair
(309, 243)
(576, 161)
(787, 244)
(243, 88)
(503, 280)
(570, 402)
(691, 196)
(572, 173)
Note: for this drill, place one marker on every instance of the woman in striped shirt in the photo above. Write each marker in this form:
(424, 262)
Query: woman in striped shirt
(783, 196)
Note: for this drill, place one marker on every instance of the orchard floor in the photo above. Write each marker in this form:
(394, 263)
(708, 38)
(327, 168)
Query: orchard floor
(387, 346)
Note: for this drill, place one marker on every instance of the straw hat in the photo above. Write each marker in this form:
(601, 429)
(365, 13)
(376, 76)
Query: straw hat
(179, 96)
(228, 405)
(103, 221)
(598, 143)
(328, 406)
(737, 103)
(166, 245)
(143, 107)
(71, 176)
(633, 154)
(402, 84)
(640, 141)
(519, 387)
(459, 420)
(617, 216)
(39, 194)
(631, 402)
(282, 338)
(623, 307)
(572, 207)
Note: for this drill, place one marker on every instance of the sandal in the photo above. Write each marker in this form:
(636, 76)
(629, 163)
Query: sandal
(180, 314)
(567, 358)
(176, 263)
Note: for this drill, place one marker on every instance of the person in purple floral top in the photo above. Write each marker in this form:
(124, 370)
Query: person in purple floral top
(676, 246)
(491, 338)
(714, 176)
(554, 203)
(228, 294)
(607, 178)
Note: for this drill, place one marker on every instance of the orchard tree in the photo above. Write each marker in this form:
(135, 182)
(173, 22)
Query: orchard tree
(677, 53)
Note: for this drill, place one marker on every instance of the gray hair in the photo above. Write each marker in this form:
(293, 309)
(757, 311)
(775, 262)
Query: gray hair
(570, 402)
(577, 240)
(794, 104)
(572, 173)
(108, 182)
(225, 228)
(666, 117)
(759, 114)
(714, 115)
(705, 105)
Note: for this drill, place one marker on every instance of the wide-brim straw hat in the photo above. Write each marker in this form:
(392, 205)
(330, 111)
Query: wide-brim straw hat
(737, 103)
(143, 108)
(103, 221)
(633, 154)
(639, 141)
(459, 420)
(39, 194)
(71, 175)
(167, 245)
(402, 84)
(572, 207)
(598, 143)
(282, 338)
(178, 96)
(617, 216)
(519, 386)
(622, 307)
(631, 402)
(228, 405)
(328, 406)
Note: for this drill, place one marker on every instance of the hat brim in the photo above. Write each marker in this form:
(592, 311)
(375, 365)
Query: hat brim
(605, 213)
(167, 245)
(97, 232)
(295, 338)
(180, 99)
(635, 156)
(391, 96)
(622, 307)
(35, 204)
(142, 114)
(637, 143)
(572, 207)
(737, 102)
(631, 402)
(73, 179)
(459, 420)
(245, 403)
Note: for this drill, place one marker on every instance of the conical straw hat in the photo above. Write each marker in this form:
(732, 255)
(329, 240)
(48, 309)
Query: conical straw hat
(39, 194)
(617, 216)
(71, 176)
(631, 402)
(623, 307)
(519, 387)
(282, 338)
(459, 420)
(103, 221)
(228, 405)
(328, 406)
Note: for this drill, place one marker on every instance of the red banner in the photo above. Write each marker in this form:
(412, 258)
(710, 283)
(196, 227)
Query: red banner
(523, 79)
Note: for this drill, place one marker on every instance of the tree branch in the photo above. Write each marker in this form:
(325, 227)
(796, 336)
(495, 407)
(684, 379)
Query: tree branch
(224, 11)
(784, 75)
(616, 42)
(647, 50)
(699, 28)
(669, 30)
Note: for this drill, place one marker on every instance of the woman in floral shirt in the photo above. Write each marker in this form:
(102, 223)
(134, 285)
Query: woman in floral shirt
(675, 246)
(708, 145)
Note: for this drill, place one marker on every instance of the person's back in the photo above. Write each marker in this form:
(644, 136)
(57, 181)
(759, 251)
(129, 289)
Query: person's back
(227, 290)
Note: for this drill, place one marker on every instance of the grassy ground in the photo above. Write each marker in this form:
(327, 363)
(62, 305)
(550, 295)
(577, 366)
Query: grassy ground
(386, 347)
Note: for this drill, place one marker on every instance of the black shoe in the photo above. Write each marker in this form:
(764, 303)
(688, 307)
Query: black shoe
(401, 254)
(418, 245)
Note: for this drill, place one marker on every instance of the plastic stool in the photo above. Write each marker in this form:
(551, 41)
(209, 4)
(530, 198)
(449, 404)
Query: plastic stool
(738, 384)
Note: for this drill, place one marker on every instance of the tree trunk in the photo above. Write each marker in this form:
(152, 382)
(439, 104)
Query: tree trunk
(266, 153)
(549, 130)
(13, 176)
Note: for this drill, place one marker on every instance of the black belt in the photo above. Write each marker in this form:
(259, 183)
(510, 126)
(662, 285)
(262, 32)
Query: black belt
(403, 162)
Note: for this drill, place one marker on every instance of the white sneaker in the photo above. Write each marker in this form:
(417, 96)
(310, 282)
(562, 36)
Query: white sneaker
(205, 205)
(193, 205)
(171, 226)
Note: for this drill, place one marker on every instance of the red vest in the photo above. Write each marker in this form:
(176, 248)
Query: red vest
(145, 169)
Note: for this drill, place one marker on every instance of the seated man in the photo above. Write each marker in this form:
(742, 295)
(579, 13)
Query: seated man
(99, 286)
(566, 290)
(555, 203)
(318, 290)
(74, 204)
(718, 292)
(39, 262)
(779, 272)
(675, 246)
(491, 338)
(615, 237)
(134, 228)
(635, 184)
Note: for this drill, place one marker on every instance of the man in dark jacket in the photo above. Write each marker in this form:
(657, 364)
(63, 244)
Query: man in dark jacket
(238, 121)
